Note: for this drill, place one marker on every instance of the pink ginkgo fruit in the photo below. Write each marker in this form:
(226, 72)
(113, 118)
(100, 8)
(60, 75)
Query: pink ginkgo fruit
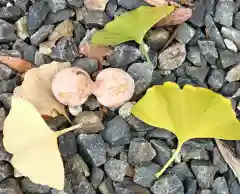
(113, 87)
(72, 86)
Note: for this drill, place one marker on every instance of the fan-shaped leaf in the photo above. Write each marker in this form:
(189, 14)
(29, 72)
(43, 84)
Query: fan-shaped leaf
(131, 25)
(190, 112)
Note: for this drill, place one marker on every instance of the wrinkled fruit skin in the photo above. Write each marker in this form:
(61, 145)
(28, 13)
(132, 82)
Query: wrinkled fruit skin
(72, 86)
(113, 87)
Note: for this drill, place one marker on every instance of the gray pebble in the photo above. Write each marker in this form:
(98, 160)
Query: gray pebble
(6, 99)
(3, 115)
(137, 124)
(96, 178)
(163, 152)
(229, 89)
(10, 186)
(213, 32)
(189, 153)
(10, 13)
(11, 53)
(199, 35)
(198, 14)
(41, 59)
(111, 8)
(67, 144)
(57, 5)
(145, 174)
(119, 12)
(61, 15)
(7, 32)
(184, 33)
(233, 74)
(224, 12)
(230, 45)
(79, 32)
(80, 14)
(236, 20)
(231, 34)
(87, 64)
(220, 186)
(228, 58)
(206, 144)
(219, 161)
(23, 4)
(6, 170)
(117, 132)
(6, 72)
(116, 169)
(83, 186)
(41, 34)
(29, 186)
(140, 151)
(209, 50)
(199, 73)
(190, 186)
(4, 155)
(93, 147)
(106, 187)
(172, 57)
(160, 134)
(233, 183)
(182, 171)
(131, 4)
(95, 18)
(168, 184)
(112, 151)
(92, 103)
(75, 3)
(123, 56)
(142, 75)
(194, 55)
(157, 38)
(65, 50)
(206, 191)
(204, 172)
(216, 79)
(210, 7)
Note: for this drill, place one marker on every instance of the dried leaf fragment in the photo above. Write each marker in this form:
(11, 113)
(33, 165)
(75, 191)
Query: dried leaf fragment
(16, 63)
(37, 88)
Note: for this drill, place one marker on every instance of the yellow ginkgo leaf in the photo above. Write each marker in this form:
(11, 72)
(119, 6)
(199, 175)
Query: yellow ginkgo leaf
(33, 145)
(191, 112)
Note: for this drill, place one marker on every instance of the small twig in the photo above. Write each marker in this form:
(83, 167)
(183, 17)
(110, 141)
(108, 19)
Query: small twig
(68, 129)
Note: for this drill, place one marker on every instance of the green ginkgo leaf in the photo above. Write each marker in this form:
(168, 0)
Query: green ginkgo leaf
(132, 25)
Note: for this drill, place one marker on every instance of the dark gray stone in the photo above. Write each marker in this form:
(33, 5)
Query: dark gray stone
(168, 184)
(10, 186)
(233, 183)
(160, 134)
(129, 187)
(206, 144)
(7, 32)
(29, 186)
(228, 58)
(116, 169)
(199, 35)
(209, 50)
(206, 191)
(229, 89)
(61, 15)
(23, 4)
(58, 123)
(172, 57)
(204, 172)
(6, 72)
(95, 18)
(97, 176)
(92, 103)
(216, 79)
(145, 174)
(41, 34)
(4, 155)
(3, 115)
(111, 8)
(236, 21)
(112, 151)
(6, 99)
(137, 124)
(231, 34)
(194, 153)
(119, 12)
(224, 12)
(213, 32)
(131, 4)
(75, 3)
(190, 186)
(123, 55)
(75, 164)
(6, 170)
(220, 186)
(219, 161)
(184, 33)
(10, 13)
(57, 5)
(116, 132)
(83, 186)
(211, 7)
(157, 38)
(156, 77)
(79, 32)
(41, 59)
(89, 65)
(10, 53)
(182, 171)
(194, 55)
(65, 50)
(199, 73)
(140, 151)
(36, 15)
(7, 86)
(163, 152)
(142, 76)
(27, 51)
(67, 144)
(198, 14)
(93, 148)
(106, 187)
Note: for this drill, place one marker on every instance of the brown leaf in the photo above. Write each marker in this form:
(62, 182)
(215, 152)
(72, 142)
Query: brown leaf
(37, 89)
(16, 63)
(178, 16)
(230, 157)
(157, 2)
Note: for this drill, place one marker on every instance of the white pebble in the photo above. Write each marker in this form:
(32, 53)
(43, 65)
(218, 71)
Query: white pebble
(230, 45)
(75, 110)
(125, 110)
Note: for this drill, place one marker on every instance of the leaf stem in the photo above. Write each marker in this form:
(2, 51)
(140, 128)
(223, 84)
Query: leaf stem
(68, 129)
(144, 52)
(170, 161)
